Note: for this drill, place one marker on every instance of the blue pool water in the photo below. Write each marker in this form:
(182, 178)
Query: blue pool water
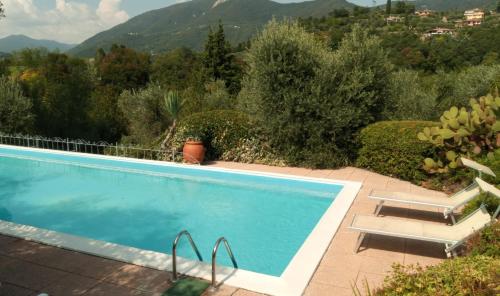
(265, 219)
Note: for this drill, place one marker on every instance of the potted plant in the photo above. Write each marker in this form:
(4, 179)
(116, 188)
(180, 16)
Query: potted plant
(193, 151)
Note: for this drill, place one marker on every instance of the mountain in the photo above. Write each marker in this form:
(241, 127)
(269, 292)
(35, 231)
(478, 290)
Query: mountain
(187, 24)
(444, 5)
(17, 42)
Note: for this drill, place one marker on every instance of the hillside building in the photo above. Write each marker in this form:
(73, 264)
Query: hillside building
(438, 32)
(424, 13)
(473, 17)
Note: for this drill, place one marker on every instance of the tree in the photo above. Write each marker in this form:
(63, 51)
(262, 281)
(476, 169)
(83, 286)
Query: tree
(340, 12)
(123, 68)
(308, 101)
(498, 6)
(65, 99)
(16, 114)
(176, 69)
(388, 7)
(145, 114)
(219, 62)
(410, 98)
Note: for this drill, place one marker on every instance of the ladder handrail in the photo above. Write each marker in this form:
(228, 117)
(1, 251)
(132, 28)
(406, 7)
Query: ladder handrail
(174, 251)
(214, 257)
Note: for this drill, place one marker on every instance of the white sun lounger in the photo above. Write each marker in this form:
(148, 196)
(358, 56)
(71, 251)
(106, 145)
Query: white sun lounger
(448, 204)
(481, 169)
(452, 236)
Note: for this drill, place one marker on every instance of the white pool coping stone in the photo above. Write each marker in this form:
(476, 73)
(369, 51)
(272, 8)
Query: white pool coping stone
(292, 282)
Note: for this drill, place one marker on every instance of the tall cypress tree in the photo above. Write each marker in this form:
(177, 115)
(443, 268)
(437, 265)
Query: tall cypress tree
(388, 7)
(218, 60)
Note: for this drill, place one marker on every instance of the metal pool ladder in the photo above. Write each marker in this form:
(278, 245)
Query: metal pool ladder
(174, 251)
(214, 257)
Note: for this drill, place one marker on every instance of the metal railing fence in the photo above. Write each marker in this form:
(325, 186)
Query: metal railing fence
(82, 146)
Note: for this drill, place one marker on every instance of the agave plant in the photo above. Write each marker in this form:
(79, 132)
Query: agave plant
(173, 106)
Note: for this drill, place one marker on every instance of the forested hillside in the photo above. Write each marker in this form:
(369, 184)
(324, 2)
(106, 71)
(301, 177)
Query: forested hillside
(187, 24)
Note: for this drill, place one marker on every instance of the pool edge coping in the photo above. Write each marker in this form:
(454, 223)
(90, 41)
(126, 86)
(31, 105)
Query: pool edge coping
(293, 280)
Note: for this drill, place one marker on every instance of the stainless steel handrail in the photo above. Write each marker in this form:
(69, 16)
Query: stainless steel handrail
(214, 257)
(174, 251)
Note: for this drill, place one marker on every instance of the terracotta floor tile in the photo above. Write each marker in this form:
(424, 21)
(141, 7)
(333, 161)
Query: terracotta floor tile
(221, 291)
(141, 278)
(6, 240)
(374, 281)
(378, 265)
(425, 249)
(315, 289)
(383, 247)
(29, 275)
(106, 289)
(8, 289)
(70, 285)
(335, 276)
(349, 261)
(242, 292)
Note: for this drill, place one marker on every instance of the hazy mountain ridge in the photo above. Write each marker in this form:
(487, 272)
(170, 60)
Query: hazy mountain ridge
(17, 42)
(187, 24)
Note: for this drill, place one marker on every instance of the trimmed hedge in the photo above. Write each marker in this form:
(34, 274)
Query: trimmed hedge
(392, 148)
(220, 131)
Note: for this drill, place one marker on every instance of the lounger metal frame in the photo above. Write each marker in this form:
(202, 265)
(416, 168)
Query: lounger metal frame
(448, 210)
(450, 245)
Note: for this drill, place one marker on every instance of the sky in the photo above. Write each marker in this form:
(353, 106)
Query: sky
(73, 21)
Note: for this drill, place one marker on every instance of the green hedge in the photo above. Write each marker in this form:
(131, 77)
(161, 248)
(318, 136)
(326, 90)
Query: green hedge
(220, 131)
(392, 148)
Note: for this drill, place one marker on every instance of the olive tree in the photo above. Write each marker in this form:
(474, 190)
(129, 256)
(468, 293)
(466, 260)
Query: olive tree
(308, 101)
(15, 109)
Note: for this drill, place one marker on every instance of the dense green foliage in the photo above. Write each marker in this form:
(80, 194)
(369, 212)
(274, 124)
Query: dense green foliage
(15, 109)
(308, 101)
(473, 275)
(60, 88)
(176, 69)
(392, 148)
(145, 113)
(486, 243)
(220, 131)
(219, 61)
(410, 98)
(404, 40)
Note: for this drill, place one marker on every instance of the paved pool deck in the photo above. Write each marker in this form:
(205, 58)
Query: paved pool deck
(28, 268)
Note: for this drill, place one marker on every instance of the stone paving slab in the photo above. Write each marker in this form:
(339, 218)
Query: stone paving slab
(28, 268)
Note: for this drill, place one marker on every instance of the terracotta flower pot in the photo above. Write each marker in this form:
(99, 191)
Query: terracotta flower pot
(193, 152)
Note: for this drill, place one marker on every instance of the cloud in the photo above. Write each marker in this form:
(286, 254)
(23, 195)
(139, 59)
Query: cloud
(68, 21)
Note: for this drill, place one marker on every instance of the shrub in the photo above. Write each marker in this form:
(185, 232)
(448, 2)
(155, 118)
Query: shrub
(220, 131)
(486, 243)
(253, 151)
(145, 112)
(473, 275)
(409, 98)
(308, 101)
(392, 148)
(456, 89)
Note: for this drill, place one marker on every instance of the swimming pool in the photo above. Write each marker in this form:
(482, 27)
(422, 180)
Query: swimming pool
(144, 205)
